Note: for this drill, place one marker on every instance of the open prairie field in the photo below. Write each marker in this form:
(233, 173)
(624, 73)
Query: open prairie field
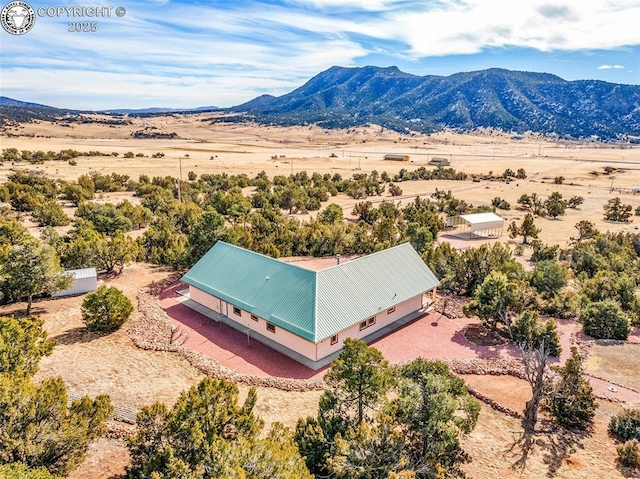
(235, 148)
(95, 364)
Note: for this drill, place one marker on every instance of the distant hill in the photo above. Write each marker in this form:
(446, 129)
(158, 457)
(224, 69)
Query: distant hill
(22, 111)
(159, 111)
(502, 99)
(6, 101)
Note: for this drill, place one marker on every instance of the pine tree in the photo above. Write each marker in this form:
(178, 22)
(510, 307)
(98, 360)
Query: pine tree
(527, 229)
(574, 404)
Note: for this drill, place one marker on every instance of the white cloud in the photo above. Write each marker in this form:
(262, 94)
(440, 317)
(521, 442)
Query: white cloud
(475, 24)
(185, 55)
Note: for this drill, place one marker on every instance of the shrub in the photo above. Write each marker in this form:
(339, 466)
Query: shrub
(50, 213)
(629, 454)
(501, 204)
(605, 320)
(192, 176)
(106, 309)
(626, 425)
(18, 470)
(563, 305)
(395, 190)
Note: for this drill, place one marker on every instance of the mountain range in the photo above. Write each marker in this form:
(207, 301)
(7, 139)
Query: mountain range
(501, 99)
(495, 98)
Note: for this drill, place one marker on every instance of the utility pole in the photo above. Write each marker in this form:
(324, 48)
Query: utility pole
(179, 179)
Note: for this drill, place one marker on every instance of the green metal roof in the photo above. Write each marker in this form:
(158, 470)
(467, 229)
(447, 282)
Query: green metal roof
(311, 304)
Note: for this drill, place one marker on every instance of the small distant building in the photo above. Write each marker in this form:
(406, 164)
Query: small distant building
(477, 225)
(84, 281)
(396, 157)
(308, 314)
(636, 191)
(439, 161)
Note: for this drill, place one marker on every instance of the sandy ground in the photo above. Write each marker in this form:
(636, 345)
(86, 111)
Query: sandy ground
(110, 364)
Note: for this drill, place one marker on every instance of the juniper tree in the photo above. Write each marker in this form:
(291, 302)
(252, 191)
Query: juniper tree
(32, 268)
(527, 229)
(573, 404)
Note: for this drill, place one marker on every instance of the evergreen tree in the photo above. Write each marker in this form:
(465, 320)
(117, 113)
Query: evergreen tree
(615, 210)
(497, 298)
(527, 229)
(574, 403)
(586, 230)
(23, 343)
(18, 470)
(49, 213)
(38, 426)
(529, 332)
(555, 205)
(357, 380)
(548, 277)
(106, 309)
(32, 268)
(207, 434)
(605, 320)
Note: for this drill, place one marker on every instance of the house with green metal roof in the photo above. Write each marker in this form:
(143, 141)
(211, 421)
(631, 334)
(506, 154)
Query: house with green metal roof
(307, 314)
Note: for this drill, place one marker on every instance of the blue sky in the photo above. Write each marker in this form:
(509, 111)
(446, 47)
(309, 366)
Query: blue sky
(185, 54)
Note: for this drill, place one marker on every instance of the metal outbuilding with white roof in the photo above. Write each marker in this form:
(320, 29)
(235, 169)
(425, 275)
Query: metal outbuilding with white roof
(478, 225)
(84, 280)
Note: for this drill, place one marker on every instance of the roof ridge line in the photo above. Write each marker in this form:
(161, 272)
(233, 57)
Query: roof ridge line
(363, 257)
(265, 256)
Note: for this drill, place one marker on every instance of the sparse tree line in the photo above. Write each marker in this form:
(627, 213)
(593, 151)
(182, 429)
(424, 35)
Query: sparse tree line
(39, 157)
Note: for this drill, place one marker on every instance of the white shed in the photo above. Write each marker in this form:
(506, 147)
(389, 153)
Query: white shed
(84, 280)
(478, 225)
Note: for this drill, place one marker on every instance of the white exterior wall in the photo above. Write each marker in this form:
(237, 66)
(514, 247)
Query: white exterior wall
(205, 299)
(294, 342)
(282, 336)
(490, 225)
(79, 286)
(382, 319)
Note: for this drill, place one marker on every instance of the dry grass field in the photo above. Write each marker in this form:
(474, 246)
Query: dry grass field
(93, 364)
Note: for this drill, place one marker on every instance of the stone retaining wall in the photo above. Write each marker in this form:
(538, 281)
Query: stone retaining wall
(154, 330)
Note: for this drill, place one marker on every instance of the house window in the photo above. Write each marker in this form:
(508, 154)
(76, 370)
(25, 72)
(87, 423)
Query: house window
(363, 325)
(271, 328)
(254, 317)
(371, 321)
(334, 339)
(237, 311)
(391, 310)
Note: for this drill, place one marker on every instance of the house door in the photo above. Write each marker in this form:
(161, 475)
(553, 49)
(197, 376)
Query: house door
(216, 305)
